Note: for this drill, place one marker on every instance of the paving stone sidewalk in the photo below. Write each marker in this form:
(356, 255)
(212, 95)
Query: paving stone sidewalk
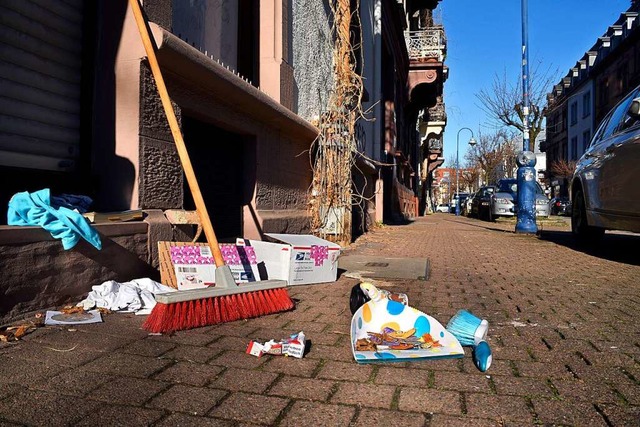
(564, 330)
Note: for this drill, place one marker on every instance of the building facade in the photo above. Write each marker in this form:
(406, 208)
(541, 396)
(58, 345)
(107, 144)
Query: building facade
(80, 114)
(601, 78)
(427, 43)
(248, 80)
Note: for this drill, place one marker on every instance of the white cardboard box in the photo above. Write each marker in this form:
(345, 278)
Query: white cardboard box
(300, 259)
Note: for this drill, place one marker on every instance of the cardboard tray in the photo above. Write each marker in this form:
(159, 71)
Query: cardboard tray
(374, 316)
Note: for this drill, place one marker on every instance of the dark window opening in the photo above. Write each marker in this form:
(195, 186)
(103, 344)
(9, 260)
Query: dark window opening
(248, 43)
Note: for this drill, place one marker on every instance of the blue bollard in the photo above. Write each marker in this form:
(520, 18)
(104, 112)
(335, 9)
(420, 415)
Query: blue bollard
(526, 214)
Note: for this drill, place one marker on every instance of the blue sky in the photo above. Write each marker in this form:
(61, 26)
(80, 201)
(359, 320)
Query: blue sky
(485, 38)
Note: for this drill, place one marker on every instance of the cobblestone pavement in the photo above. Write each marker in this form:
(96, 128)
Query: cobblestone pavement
(563, 330)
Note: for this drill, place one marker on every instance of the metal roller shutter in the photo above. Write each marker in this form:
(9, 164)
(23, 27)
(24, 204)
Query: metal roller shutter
(40, 80)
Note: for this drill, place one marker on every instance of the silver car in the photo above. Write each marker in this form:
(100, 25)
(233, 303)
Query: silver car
(506, 196)
(605, 189)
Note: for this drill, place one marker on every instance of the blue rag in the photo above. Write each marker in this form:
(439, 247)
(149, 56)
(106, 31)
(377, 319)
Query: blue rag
(75, 202)
(35, 209)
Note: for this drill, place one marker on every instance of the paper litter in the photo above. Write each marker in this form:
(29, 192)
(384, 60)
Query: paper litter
(292, 346)
(136, 296)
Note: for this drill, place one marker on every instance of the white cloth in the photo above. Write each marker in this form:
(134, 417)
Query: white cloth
(134, 296)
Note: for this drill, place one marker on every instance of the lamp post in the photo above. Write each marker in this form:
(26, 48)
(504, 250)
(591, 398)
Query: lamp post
(472, 142)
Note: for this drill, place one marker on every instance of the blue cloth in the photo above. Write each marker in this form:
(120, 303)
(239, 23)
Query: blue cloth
(35, 209)
(76, 202)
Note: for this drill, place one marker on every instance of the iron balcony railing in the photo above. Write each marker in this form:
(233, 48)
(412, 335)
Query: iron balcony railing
(426, 44)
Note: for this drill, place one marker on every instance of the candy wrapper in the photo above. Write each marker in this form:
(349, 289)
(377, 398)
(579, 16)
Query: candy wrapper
(293, 346)
(396, 296)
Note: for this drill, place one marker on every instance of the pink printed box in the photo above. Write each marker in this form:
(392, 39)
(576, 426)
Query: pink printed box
(195, 267)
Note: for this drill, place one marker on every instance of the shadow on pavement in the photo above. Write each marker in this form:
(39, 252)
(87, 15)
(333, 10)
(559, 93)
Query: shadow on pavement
(613, 247)
(487, 225)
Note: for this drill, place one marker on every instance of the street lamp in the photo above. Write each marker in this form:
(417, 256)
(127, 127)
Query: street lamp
(472, 142)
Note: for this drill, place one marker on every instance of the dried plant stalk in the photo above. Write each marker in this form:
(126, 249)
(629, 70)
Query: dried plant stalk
(333, 152)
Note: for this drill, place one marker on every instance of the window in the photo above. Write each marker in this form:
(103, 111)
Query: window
(603, 92)
(623, 78)
(586, 104)
(574, 113)
(574, 148)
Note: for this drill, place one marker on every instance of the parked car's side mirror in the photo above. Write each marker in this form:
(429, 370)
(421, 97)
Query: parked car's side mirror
(634, 109)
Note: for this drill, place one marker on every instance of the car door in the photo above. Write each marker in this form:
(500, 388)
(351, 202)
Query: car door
(617, 158)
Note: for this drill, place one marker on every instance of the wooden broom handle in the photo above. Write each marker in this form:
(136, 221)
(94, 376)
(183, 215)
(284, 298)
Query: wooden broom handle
(177, 135)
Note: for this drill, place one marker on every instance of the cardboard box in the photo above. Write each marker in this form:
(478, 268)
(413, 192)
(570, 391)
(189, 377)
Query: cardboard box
(185, 265)
(300, 259)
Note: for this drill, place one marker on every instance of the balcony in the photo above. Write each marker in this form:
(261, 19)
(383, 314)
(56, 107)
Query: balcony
(435, 145)
(427, 50)
(426, 45)
(437, 113)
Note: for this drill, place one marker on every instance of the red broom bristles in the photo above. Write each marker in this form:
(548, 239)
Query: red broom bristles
(166, 318)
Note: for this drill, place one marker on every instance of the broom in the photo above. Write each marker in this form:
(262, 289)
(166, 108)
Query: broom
(226, 301)
(468, 328)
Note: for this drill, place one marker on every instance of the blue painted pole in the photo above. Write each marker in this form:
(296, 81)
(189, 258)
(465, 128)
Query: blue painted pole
(526, 209)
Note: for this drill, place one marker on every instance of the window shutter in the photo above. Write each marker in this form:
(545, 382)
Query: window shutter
(40, 81)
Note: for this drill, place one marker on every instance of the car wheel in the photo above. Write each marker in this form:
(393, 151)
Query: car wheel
(579, 226)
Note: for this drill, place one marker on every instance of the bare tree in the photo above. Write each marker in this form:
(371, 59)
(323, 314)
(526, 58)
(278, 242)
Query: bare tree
(563, 169)
(493, 157)
(503, 101)
(469, 176)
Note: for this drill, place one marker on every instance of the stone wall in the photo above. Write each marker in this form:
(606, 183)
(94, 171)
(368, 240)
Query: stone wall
(37, 273)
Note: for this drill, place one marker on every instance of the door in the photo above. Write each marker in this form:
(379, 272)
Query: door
(218, 159)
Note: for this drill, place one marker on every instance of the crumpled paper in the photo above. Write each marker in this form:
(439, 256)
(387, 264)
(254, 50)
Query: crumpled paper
(136, 296)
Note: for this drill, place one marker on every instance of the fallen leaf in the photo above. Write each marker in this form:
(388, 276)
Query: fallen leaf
(21, 331)
(70, 309)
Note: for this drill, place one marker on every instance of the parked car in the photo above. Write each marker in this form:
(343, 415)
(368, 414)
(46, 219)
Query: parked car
(481, 202)
(505, 199)
(605, 188)
(560, 206)
(443, 207)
